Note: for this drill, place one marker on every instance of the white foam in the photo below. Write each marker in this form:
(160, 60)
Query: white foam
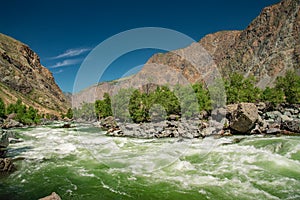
(113, 190)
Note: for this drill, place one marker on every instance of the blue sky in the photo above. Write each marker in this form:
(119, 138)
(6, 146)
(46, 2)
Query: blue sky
(64, 32)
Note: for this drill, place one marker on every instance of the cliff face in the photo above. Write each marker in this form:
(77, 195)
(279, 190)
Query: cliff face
(22, 76)
(267, 48)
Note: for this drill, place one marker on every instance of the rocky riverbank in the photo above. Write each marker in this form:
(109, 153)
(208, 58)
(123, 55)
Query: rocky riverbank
(6, 164)
(243, 118)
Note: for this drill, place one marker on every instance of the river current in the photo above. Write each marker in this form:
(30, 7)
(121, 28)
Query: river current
(83, 163)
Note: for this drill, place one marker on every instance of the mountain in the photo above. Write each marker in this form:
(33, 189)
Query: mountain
(23, 77)
(266, 49)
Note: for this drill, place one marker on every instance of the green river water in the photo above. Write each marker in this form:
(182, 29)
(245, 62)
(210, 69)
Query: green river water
(83, 163)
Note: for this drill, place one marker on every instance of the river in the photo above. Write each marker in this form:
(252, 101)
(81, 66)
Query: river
(83, 163)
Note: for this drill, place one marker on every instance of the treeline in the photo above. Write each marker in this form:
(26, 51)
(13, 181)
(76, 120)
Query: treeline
(187, 101)
(22, 113)
(285, 90)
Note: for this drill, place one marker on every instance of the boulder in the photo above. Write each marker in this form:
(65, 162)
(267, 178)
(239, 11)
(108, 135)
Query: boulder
(4, 141)
(66, 126)
(244, 117)
(261, 106)
(273, 131)
(6, 166)
(53, 196)
(174, 117)
(11, 123)
(285, 118)
(208, 131)
(108, 123)
(231, 108)
(219, 114)
(293, 126)
(274, 115)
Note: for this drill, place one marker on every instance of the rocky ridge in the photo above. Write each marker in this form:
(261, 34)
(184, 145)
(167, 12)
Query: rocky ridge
(23, 77)
(266, 49)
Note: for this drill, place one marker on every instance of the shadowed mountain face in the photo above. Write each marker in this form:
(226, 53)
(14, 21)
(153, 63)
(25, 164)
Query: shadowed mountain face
(23, 77)
(266, 49)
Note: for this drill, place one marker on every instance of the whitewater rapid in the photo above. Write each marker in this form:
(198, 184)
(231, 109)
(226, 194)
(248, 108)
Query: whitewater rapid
(84, 163)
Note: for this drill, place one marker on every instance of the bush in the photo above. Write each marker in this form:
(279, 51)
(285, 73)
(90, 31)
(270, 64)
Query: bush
(120, 104)
(24, 115)
(290, 86)
(273, 96)
(139, 107)
(69, 113)
(2, 108)
(240, 89)
(86, 111)
(103, 107)
(166, 98)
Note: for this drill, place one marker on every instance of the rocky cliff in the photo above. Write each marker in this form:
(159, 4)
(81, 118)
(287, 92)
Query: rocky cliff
(23, 77)
(267, 48)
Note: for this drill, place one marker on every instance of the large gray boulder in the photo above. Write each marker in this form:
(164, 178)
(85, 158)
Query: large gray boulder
(243, 117)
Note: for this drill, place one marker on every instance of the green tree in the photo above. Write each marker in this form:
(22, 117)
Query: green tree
(10, 109)
(290, 86)
(138, 107)
(107, 103)
(69, 113)
(240, 89)
(103, 107)
(120, 104)
(86, 111)
(217, 94)
(165, 97)
(2, 108)
(187, 102)
(31, 116)
(203, 97)
(273, 96)
(23, 114)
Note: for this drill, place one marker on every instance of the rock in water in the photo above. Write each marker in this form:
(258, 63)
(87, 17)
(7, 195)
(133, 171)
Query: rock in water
(3, 139)
(66, 126)
(11, 123)
(108, 123)
(53, 196)
(6, 166)
(293, 125)
(244, 117)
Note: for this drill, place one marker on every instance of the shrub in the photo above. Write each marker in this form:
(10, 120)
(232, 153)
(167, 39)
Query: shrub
(2, 108)
(240, 89)
(290, 86)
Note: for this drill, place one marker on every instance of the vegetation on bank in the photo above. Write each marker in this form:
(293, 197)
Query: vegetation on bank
(27, 115)
(188, 101)
(22, 113)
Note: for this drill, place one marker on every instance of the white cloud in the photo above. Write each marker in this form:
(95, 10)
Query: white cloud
(66, 63)
(71, 53)
(58, 72)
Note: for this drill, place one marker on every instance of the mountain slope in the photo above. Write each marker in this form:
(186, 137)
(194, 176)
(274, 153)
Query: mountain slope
(22, 76)
(267, 48)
